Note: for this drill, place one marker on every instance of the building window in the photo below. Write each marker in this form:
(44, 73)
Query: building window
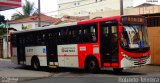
(98, 0)
(78, 3)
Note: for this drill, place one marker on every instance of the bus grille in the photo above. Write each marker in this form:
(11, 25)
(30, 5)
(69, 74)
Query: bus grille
(140, 61)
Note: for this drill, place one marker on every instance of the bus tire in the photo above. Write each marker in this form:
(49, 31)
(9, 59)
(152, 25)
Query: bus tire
(117, 70)
(91, 65)
(35, 64)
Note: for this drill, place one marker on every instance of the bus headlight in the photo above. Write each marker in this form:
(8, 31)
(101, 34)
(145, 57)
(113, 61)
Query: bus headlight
(125, 56)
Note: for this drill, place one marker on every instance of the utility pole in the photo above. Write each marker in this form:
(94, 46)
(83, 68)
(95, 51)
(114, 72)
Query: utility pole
(39, 13)
(121, 7)
(6, 26)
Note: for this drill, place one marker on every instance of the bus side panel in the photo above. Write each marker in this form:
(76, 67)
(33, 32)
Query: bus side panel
(68, 55)
(85, 50)
(39, 51)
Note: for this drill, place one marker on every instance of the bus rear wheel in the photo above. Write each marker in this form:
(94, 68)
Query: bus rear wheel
(35, 64)
(91, 65)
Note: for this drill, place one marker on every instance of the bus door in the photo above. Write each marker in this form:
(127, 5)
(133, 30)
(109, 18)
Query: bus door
(21, 50)
(51, 47)
(109, 42)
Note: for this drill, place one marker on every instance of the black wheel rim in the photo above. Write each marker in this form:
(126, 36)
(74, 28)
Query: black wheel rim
(92, 65)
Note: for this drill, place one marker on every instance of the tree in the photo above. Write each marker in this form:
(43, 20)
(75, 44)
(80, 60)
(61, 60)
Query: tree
(2, 19)
(27, 9)
(2, 31)
(2, 25)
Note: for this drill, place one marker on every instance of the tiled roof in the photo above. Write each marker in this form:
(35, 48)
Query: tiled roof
(66, 19)
(34, 19)
(145, 5)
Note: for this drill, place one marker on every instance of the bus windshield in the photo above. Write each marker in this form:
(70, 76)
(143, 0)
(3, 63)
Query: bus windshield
(134, 36)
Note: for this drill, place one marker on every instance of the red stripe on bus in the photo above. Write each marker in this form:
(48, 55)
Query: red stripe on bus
(66, 55)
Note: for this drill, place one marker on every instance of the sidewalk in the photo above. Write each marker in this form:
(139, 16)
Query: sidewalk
(8, 69)
(22, 73)
(5, 59)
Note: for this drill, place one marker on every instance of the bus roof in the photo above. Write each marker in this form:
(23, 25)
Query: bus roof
(70, 24)
(47, 27)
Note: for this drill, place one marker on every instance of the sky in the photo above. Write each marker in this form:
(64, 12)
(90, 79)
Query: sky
(48, 7)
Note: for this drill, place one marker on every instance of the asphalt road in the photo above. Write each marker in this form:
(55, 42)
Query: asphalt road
(66, 75)
(14, 73)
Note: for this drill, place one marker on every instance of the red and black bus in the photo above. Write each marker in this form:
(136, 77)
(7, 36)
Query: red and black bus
(116, 42)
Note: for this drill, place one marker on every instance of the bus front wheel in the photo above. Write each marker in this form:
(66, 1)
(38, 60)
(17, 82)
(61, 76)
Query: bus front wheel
(91, 65)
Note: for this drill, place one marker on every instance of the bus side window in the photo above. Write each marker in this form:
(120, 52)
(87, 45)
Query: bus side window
(65, 36)
(93, 33)
(31, 39)
(105, 31)
(74, 36)
(82, 34)
(114, 30)
(38, 38)
(79, 35)
(87, 33)
(69, 36)
(43, 38)
(59, 37)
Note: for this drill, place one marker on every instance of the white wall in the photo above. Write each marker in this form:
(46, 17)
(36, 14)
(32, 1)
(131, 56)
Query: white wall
(18, 26)
(5, 48)
(86, 7)
(30, 25)
(128, 11)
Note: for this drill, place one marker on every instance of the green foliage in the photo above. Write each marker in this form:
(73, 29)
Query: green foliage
(24, 27)
(2, 25)
(27, 9)
(2, 19)
(2, 31)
